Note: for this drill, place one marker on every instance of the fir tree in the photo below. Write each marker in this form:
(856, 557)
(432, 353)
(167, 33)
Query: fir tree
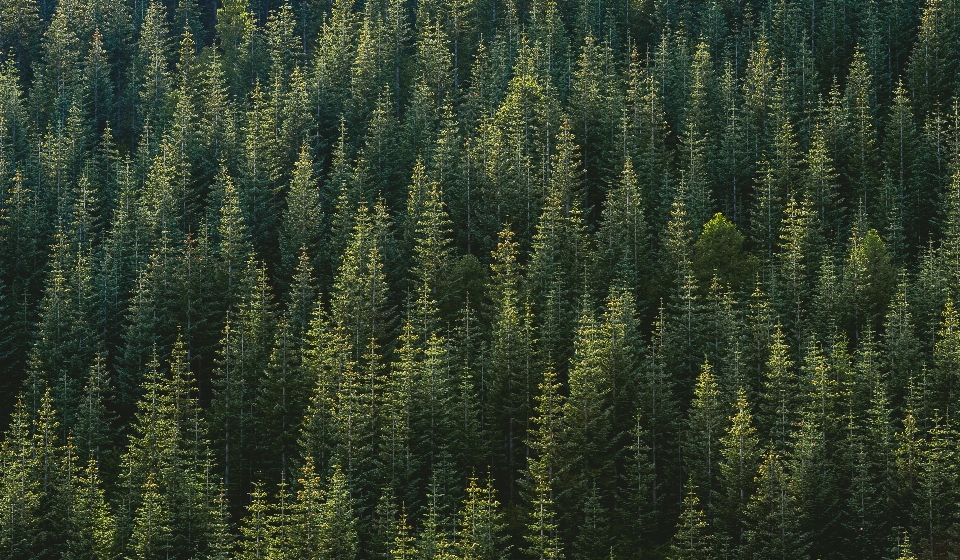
(542, 529)
(692, 539)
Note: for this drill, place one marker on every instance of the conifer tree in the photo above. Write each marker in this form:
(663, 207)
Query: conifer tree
(165, 504)
(697, 142)
(509, 395)
(658, 405)
(93, 432)
(594, 103)
(243, 358)
(300, 231)
(774, 515)
(152, 60)
(645, 139)
(738, 469)
(66, 340)
(821, 187)
(480, 536)
(780, 394)
(701, 448)
(429, 232)
(21, 485)
(636, 511)
(93, 528)
(588, 430)
(901, 346)
(902, 164)
(684, 301)
(559, 250)
(933, 60)
(542, 528)
(791, 277)
(692, 539)
(622, 236)
(734, 165)
(934, 513)
(255, 530)
(863, 161)
(282, 398)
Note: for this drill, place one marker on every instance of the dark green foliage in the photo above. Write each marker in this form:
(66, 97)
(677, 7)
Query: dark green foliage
(719, 252)
(278, 279)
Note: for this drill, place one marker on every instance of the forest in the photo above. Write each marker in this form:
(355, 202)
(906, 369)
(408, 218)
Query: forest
(479, 279)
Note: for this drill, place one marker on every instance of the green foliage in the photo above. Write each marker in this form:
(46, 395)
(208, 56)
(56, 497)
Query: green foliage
(277, 277)
(719, 252)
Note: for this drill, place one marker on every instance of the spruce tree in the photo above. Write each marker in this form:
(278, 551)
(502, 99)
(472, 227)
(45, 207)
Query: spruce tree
(302, 220)
(622, 237)
(509, 395)
(701, 448)
(738, 469)
(480, 536)
(773, 512)
(542, 528)
(692, 539)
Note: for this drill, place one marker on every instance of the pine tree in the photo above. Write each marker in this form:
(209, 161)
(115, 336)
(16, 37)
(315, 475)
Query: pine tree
(901, 346)
(645, 136)
(152, 60)
(339, 519)
(93, 528)
(559, 250)
(244, 355)
(151, 525)
(588, 431)
(734, 165)
(260, 172)
(780, 395)
(234, 247)
(216, 114)
(344, 354)
(932, 66)
(21, 485)
(905, 550)
(636, 513)
(542, 529)
(429, 231)
(701, 448)
(791, 276)
(509, 392)
(934, 512)
(282, 398)
(738, 468)
(163, 474)
(480, 536)
(658, 405)
(697, 142)
(93, 432)
(524, 128)
(66, 341)
(692, 539)
(774, 515)
(863, 161)
(902, 164)
(300, 231)
(594, 110)
(821, 187)
(621, 240)
(255, 530)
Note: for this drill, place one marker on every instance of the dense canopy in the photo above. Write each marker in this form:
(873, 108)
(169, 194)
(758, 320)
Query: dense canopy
(479, 279)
